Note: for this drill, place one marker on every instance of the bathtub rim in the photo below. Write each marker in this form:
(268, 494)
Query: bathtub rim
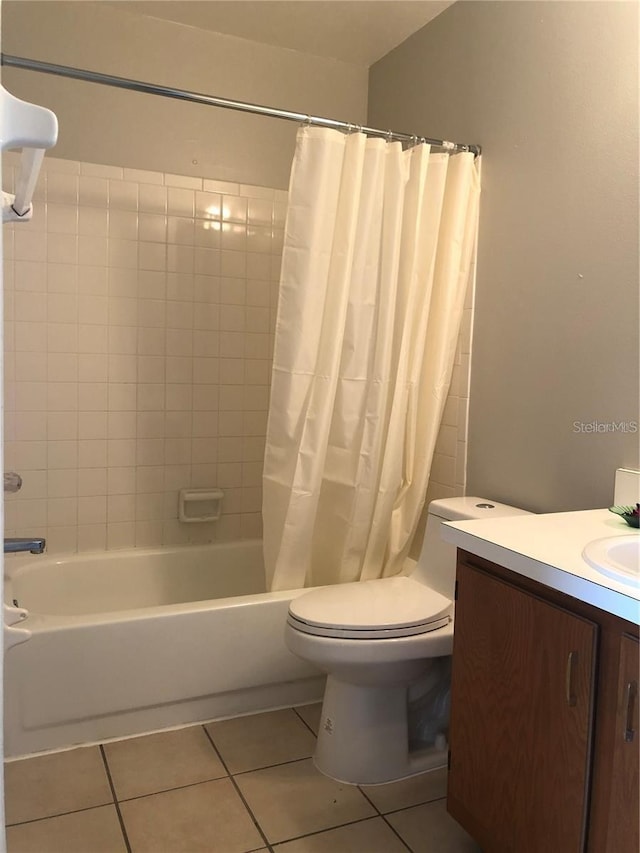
(42, 621)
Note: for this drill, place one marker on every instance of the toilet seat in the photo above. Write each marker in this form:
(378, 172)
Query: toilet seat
(370, 610)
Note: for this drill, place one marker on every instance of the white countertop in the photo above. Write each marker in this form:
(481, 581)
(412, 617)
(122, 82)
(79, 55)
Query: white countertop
(548, 548)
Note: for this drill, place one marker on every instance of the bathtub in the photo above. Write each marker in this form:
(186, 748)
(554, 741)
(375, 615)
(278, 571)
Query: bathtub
(126, 642)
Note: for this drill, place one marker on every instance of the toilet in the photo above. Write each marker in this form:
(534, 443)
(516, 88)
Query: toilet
(378, 641)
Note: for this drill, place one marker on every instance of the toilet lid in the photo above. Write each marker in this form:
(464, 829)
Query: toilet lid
(388, 607)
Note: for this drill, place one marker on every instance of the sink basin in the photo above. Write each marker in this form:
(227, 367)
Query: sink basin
(616, 556)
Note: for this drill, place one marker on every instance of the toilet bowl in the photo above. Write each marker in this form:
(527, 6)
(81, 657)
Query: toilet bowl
(375, 640)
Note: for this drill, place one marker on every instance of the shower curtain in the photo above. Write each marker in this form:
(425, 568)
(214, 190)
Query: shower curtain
(379, 244)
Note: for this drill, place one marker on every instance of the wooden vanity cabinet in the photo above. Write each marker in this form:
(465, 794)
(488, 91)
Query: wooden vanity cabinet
(621, 818)
(544, 693)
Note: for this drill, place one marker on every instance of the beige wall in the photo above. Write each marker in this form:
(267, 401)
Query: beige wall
(111, 126)
(550, 89)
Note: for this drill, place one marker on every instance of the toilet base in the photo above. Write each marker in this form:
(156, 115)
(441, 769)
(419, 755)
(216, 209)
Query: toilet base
(363, 737)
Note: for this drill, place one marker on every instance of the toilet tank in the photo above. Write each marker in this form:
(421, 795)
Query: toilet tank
(436, 565)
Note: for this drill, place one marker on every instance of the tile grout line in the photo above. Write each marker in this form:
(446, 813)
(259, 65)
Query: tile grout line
(115, 799)
(57, 814)
(395, 832)
(238, 791)
(413, 806)
(302, 719)
(271, 766)
(173, 788)
(330, 829)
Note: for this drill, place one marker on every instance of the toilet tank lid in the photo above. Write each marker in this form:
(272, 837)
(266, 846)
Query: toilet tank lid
(471, 508)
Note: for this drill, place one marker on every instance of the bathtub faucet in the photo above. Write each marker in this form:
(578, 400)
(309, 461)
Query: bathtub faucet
(34, 546)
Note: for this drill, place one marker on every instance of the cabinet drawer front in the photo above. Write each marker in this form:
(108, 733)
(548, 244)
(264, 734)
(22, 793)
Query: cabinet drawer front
(522, 702)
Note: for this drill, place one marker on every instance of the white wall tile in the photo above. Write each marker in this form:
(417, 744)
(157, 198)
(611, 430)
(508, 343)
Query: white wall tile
(150, 341)
(92, 309)
(121, 481)
(28, 426)
(92, 425)
(61, 512)
(93, 221)
(62, 454)
(61, 188)
(180, 202)
(92, 510)
(62, 218)
(62, 540)
(152, 199)
(152, 478)
(152, 227)
(140, 176)
(92, 453)
(92, 396)
(63, 396)
(123, 195)
(93, 191)
(123, 281)
(92, 338)
(31, 366)
(98, 171)
(62, 308)
(121, 534)
(30, 276)
(221, 187)
(180, 287)
(121, 508)
(92, 481)
(121, 452)
(63, 484)
(92, 537)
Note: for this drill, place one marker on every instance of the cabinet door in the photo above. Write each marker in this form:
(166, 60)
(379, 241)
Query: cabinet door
(624, 818)
(521, 715)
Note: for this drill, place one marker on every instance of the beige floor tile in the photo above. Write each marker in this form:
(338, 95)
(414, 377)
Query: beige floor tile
(53, 784)
(159, 762)
(368, 836)
(408, 792)
(430, 829)
(260, 740)
(295, 799)
(205, 818)
(311, 715)
(96, 830)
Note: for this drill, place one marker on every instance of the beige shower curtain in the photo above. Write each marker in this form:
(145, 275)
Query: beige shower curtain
(378, 250)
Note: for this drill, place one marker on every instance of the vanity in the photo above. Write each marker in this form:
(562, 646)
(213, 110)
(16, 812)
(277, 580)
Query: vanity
(544, 740)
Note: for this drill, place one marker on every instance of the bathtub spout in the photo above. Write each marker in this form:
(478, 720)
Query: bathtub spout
(15, 546)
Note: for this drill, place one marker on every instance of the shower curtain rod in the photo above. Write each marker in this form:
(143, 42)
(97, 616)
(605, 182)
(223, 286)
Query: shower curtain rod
(213, 101)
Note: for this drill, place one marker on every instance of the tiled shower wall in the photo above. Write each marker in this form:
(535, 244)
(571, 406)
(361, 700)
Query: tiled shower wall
(139, 311)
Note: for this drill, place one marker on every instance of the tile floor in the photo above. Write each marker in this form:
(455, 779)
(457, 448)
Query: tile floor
(235, 786)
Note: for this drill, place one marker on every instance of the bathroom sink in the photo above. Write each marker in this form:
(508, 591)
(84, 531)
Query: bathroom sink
(616, 556)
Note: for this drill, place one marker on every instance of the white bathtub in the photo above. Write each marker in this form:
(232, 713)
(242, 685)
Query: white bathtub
(125, 642)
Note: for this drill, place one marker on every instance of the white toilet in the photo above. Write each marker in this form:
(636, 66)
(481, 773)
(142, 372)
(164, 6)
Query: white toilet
(374, 640)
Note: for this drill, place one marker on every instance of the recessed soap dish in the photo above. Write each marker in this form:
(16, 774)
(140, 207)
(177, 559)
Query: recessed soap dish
(199, 505)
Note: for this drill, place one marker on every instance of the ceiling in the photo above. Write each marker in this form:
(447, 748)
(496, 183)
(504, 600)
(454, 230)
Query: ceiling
(355, 31)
